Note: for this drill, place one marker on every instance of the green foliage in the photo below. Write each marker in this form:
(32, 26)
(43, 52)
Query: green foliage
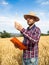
(5, 34)
(42, 34)
(47, 32)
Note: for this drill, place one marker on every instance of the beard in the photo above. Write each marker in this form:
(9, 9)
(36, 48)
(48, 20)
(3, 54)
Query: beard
(30, 24)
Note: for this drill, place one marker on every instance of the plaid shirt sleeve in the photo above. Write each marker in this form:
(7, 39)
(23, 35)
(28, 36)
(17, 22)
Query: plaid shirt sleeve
(35, 37)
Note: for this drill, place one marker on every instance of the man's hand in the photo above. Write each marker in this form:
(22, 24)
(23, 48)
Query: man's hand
(18, 26)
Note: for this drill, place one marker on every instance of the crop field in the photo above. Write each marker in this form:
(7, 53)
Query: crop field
(10, 55)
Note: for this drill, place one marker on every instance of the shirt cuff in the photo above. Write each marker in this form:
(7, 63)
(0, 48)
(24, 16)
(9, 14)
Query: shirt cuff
(23, 30)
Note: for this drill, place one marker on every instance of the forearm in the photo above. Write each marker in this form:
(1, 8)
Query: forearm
(23, 31)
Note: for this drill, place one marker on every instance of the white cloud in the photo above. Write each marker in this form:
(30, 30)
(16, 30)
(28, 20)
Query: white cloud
(42, 13)
(44, 26)
(4, 19)
(44, 21)
(7, 23)
(45, 3)
(3, 2)
(39, 1)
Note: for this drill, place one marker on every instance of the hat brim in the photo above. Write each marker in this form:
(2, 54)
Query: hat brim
(31, 16)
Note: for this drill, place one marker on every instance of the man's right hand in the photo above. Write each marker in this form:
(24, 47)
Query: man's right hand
(18, 26)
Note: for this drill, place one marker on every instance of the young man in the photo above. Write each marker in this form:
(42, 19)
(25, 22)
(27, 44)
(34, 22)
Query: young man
(31, 39)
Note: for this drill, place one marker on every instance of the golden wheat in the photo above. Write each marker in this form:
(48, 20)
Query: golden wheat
(9, 55)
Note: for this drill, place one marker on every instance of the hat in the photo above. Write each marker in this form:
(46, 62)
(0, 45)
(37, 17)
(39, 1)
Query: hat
(31, 15)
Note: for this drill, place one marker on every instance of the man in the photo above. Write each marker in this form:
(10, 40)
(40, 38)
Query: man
(31, 39)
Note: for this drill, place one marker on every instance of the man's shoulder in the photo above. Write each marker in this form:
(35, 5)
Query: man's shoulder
(37, 29)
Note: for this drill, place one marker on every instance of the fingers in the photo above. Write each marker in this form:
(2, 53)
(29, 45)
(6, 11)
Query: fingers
(18, 26)
(15, 24)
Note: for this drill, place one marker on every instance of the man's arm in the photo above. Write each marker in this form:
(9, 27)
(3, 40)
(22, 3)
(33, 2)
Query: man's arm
(33, 38)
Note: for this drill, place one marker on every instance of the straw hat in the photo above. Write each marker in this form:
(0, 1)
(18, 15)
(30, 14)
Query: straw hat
(31, 15)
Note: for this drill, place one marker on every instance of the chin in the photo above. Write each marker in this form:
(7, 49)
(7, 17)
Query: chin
(30, 24)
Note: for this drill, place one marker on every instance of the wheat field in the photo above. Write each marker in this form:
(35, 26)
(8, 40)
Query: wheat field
(9, 55)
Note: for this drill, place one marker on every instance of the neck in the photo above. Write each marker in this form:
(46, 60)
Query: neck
(31, 25)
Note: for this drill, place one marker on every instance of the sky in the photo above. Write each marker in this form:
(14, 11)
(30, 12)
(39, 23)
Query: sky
(14, 10)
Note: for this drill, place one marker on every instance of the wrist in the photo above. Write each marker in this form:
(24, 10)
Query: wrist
(22, 30)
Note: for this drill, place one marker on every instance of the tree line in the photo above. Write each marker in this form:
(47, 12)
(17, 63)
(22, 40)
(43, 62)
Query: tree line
(5, 34)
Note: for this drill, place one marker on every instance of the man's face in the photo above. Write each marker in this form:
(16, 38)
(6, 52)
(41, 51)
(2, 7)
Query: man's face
(30, 21)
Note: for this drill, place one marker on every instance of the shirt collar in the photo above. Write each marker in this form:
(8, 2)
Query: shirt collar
(32, 27)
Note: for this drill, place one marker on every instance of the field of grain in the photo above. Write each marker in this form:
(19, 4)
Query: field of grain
(9, 55)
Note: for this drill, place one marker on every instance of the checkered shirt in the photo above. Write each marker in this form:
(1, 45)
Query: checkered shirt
(31, 39)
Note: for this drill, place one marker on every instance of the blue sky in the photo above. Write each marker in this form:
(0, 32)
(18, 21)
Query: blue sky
(14, 10)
